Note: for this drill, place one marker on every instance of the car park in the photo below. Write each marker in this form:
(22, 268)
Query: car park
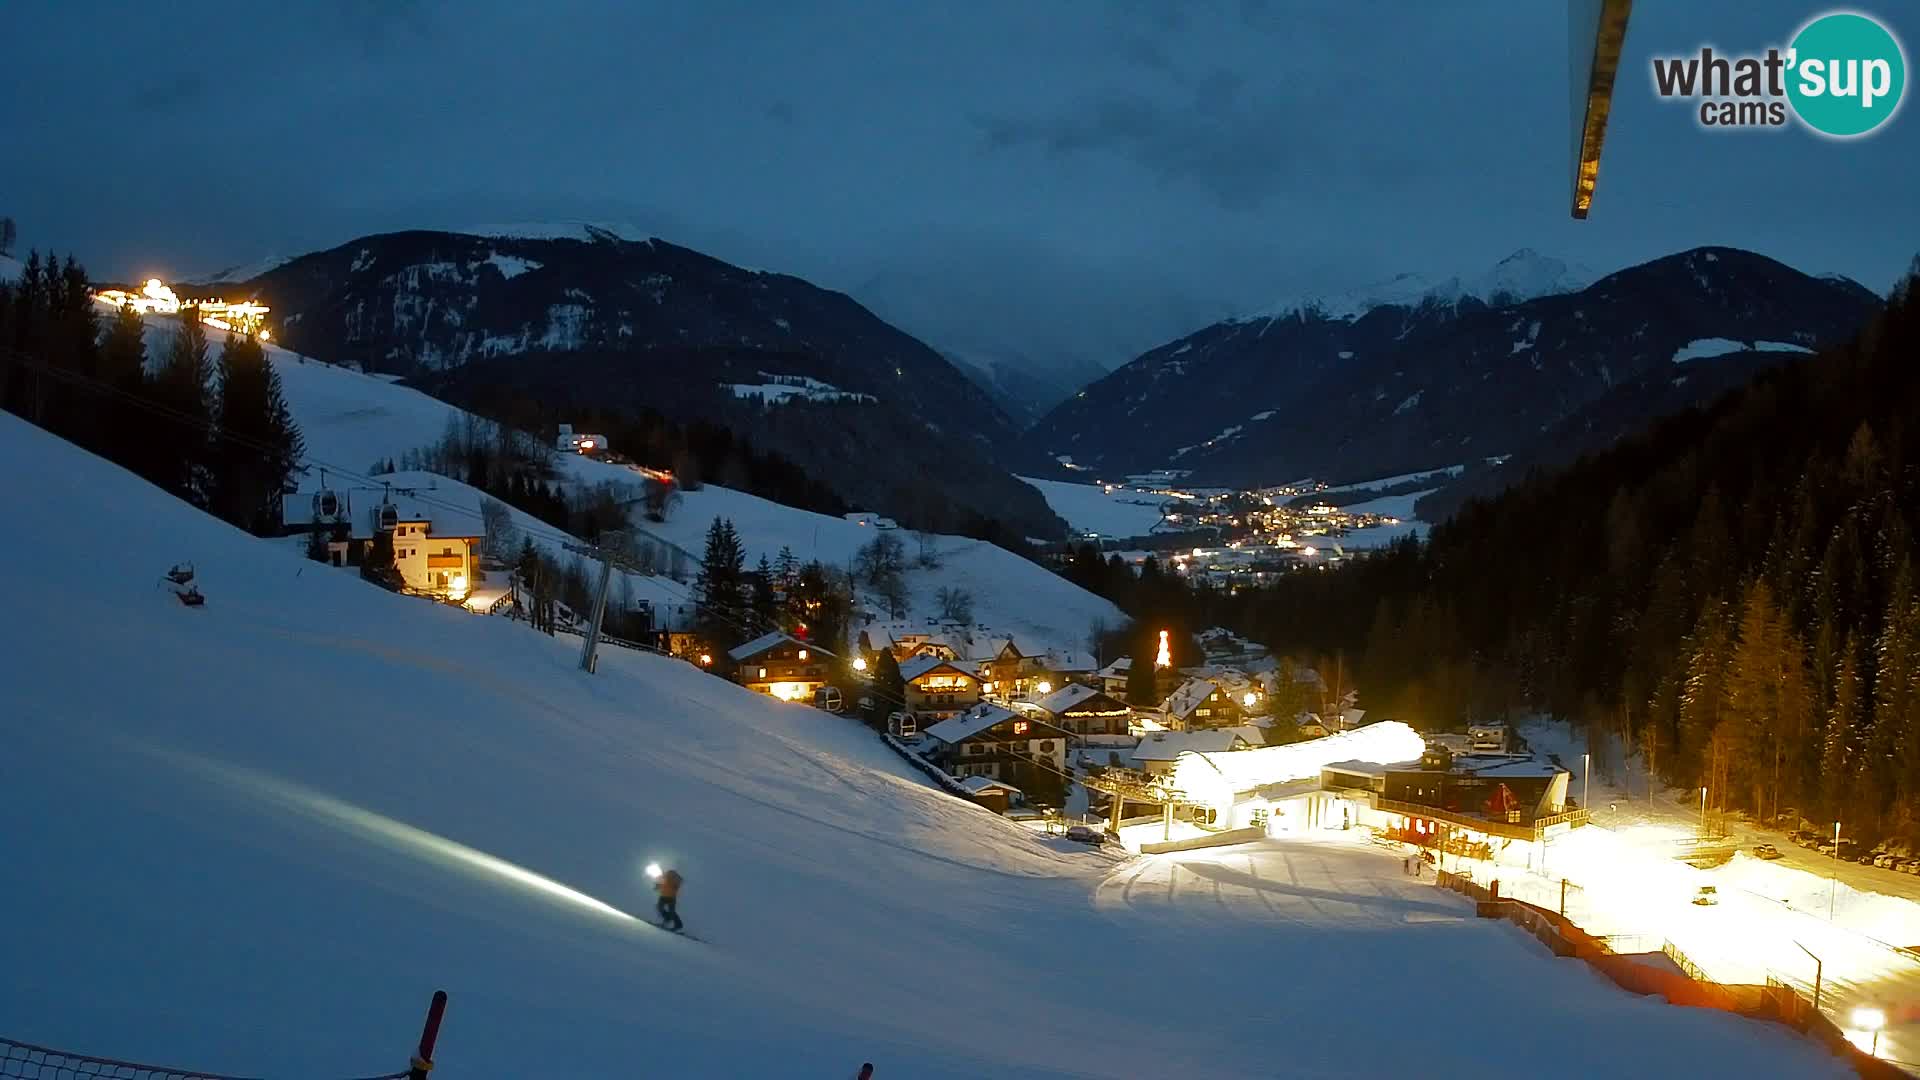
(1765, 851)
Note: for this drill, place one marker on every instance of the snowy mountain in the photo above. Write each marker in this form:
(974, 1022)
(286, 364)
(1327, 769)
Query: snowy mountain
(1524, 275)
(577, 315)
(1418, 375)
(261, 832)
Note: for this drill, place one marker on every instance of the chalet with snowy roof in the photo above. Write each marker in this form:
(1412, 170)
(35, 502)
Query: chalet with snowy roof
(433, 541)
(780, 666)
(938, 687)
(1112, 679)
(996, 742)
(1201, 703)
(1157, 752)
(1092, 716)
(1223, 646)
(995, 795)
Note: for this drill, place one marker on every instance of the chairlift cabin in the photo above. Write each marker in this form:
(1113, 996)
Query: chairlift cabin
(387, 518)
(828, 698)
(903, 725)
(328, 506)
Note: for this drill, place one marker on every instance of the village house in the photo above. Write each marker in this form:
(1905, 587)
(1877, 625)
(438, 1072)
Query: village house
(1005, 673)
(995, 795)
(1092, 717)
(996, 742)
(1112, 679)
(780, 666)
(938, 688)
(1157, 752)
(1201, 703)
(433, 546)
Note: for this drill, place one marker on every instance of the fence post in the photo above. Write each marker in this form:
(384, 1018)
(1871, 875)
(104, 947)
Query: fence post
(430, 1034)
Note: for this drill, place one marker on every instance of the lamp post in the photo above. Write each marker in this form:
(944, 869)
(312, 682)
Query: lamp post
(1586, 781)
(1703, 813)
(1834, 883)
(1817, 968)
(1870, 1019)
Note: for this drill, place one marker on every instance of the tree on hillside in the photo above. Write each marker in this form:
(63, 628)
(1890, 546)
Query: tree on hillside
(9, 234)
(123, 367)
(889, 688)
(259, 444)
(720, 588)
(1143, 682)
(882, 566)
(183, 447)
(760, 593)
(956, 605)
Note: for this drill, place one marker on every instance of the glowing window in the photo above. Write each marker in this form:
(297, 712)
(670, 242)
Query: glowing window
(1019, 727)
(763, 673)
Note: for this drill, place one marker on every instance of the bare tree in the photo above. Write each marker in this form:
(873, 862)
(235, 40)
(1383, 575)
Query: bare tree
(956, 605)
(661, 497)
(502, 540)
(929, 553)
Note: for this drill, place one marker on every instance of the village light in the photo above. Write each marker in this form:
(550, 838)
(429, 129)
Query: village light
(859, 663)
(803, 654)
(459, 583)
(1043, 686)
(706, 659)
(1248, 699)
(653, 870)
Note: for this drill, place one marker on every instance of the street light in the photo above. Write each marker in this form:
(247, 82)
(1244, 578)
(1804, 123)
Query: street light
(1834, 887)
(1703, 813)
(1586, 782)
(1870, 1019)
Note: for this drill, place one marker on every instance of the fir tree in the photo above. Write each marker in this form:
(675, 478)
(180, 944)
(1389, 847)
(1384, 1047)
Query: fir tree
(182, 451)
(259, 444)
(719, 589)
(123, 367)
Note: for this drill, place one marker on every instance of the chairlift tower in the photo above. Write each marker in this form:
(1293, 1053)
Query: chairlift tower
(608, 556)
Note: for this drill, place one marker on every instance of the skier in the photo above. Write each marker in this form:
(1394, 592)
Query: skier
(667, 884)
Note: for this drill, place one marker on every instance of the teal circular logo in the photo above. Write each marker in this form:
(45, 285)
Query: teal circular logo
(1847, 74)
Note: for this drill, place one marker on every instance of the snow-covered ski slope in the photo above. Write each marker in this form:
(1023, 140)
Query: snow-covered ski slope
(253, 837)
(351, 420)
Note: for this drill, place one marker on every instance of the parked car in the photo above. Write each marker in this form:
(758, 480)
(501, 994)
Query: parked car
(1884, 860)
(1806, 838)
(1912, 867)
(1765, 851)
(1707, 896)
(1825, 847)
(1083, 833)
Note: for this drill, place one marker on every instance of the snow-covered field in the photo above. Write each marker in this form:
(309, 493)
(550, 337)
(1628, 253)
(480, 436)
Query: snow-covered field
(254, 836)
(1398, 506)
(1707, 348)
(1091, 508)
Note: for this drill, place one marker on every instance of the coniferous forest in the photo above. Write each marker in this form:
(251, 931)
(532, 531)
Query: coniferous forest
(1733, 591)
(209, 426)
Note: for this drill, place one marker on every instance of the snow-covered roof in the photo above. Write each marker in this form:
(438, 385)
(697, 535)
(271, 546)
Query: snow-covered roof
(916, 666)
(969, 723)
(1183, 701)
(1068, 662)
(1066, 698)
(1253, 733)
(979, 651)
(757, 645)
(1117, 668)
(1218, 776)
(1169, 745)
(977, 784)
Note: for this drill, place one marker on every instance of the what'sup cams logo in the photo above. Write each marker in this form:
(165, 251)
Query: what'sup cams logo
(1842, 76)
